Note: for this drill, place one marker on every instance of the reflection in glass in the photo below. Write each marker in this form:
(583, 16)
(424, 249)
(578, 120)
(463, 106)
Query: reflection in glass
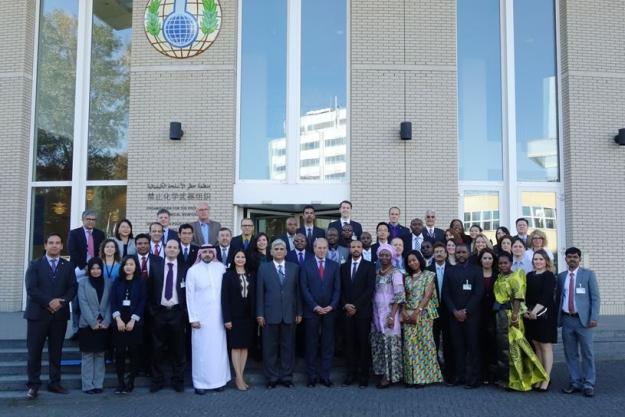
(109, 95)
(539, 208)
(536, 99)
(482, 208)
(323, 101)
(479, 91)
(263, 89)
(56, 84)
(50, 214)
(109, 202)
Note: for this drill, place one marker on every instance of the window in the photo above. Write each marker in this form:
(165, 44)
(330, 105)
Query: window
(278, 77)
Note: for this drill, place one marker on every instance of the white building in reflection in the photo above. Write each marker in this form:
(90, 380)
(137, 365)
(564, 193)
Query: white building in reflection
(322, 147)
(544, 151)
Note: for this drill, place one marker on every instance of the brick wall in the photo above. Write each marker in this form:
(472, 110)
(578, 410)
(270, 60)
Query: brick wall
(593, 88)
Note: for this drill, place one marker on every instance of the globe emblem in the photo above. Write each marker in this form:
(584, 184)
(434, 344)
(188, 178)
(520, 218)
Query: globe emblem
(180, 29)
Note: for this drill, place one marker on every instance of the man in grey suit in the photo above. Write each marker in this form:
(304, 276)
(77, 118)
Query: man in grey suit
(205, 230)
(579, 312)
(278, 311)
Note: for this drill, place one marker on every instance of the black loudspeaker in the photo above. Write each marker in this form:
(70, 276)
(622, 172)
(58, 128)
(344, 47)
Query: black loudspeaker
(405, 130)
(620, 138)
(175, 131)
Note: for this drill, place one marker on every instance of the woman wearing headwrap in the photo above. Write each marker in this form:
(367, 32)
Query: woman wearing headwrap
(386, 344)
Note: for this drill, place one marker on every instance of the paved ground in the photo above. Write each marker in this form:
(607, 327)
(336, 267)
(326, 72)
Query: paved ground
(397, 401)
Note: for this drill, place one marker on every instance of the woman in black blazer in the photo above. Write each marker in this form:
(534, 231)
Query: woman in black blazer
(128, 299)
(238, 294)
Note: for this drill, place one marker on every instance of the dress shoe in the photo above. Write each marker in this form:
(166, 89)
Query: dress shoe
(155, 387)
(271, 385)
(311, 383)
(381, 385)
(130, 384)
(57, 389)
(200, 391)
(589, 392)
(32, 393)
(121, 389)
(326, 382)
(349, 380)
(178, 387)
(363, 384)
(418, 386)
(472, 386)
(571, 389)
(90, 391)
(286, 384)
(98, 391)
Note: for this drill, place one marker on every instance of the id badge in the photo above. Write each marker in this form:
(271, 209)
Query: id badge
(126, 303)
(183, 284)
(466, 287)
(580, 290)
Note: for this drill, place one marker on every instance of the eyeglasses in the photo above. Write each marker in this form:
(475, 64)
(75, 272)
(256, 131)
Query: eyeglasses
(430, 217)
(247, 225)
(91, 219)
(537, 238)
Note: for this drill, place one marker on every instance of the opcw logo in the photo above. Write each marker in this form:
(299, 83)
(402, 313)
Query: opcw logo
(182, 28)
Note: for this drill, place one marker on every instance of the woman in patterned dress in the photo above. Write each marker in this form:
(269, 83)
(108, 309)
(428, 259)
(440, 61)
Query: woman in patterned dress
(385, 328)
(417, 317)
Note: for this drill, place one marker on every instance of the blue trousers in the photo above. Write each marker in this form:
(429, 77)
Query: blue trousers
(316, 328)
(577, 340)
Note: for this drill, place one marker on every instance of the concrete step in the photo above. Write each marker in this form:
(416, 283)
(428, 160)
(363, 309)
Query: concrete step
(21, 353)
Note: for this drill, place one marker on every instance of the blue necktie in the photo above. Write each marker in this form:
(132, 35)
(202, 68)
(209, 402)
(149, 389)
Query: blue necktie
(53, 267)
(281, 274)
(354, 268)
(169, 282)
(301, 258)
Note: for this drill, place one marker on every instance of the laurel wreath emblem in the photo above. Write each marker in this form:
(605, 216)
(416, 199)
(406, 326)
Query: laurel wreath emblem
(153, 24)
(209, 20)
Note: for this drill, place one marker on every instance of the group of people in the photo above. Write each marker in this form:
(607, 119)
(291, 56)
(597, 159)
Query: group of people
(420, 306)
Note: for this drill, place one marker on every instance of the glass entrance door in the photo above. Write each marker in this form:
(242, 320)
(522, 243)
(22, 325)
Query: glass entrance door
(273, 222)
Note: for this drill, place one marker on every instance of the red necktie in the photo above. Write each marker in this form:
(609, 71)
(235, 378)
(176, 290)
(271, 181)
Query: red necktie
(321, 269)
(571, 293)
(144, 267)
(156, 250)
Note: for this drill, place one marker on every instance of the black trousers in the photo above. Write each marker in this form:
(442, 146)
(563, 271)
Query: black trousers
(319, 328)
(357, 347)
(37, 332)
(442, 339)
(466, 346)
(134, 354)
(168, 330)
(279, 351)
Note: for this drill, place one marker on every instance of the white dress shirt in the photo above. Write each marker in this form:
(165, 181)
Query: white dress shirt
(174, 299)
(417, 240)
(565, 291)
(366, 254)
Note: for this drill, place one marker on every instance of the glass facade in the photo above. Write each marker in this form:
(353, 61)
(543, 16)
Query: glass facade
(50, 213)
(109, 202)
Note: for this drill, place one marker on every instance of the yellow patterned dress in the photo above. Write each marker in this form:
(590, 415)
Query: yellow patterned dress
(519, 367)
(420, 363)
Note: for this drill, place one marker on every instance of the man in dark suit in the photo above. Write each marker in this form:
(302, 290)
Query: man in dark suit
(278, 311)
(320, 283)
(413, 240)
(205, 230)
(430, 232)
(225, 250)
(50, 285)
(463, 288)
(246, 237)
(309, 229)
(167, 305)
(300, 254)
(188, 251)
(395, 229)
(381, 231)
(83, 243)
(441, 324)
(291, 231)
(345, 207)
(578, 315)
(357, 286)
(163, 217)
(156, 240)
(522, 226)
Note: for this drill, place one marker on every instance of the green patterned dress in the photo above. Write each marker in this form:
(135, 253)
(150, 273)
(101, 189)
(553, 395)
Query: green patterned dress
(519, 366)
(420, 363)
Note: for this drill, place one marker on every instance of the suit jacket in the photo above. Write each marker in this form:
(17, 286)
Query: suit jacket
(232, 303)
(193, 249)
(138, 298)
(171, 234)
(153, 261)
(42, 287)
(442, 309)
(213, 231)
(316, 233)
(408, 241)
(90, 308)
(455, 296)
(356, 227)
(403, 230)
(130, 250)
(157, 281)
(439, 235)
(278, 303)
(587, 304)
(77, 245)
(237, 243)
(230, 255)
(293, 257)
(342, 256)
(289, 247)
(358, 291)
(320, 292)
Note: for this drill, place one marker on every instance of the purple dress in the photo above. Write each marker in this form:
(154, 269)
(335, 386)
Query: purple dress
(386, 343)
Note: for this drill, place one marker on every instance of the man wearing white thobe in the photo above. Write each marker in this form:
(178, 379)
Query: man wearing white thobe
(210, 369)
